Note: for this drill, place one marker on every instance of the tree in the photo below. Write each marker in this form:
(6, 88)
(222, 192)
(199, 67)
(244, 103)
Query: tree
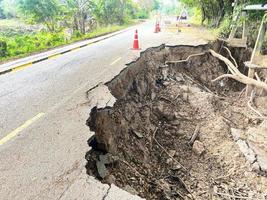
(112, 11)
(79, 11)
(41, 11)
(1, 10)
(10, 8)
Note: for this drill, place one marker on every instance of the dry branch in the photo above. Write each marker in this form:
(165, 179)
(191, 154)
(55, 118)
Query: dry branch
(194, 136)
(250, 103)
(236, 74)
(186, 60)
(230, 54)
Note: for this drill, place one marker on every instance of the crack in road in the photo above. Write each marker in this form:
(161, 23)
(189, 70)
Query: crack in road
(107, 192)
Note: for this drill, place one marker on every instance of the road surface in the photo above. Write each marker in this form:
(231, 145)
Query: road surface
(43, 110)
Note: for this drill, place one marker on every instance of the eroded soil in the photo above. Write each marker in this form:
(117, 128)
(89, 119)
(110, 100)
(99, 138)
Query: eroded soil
(142, 143)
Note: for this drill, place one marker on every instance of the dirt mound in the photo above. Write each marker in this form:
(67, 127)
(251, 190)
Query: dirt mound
(168, 135)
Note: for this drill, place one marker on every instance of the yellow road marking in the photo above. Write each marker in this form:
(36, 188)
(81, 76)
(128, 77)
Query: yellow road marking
(75, 49)
(115, 61)
(19, 129)
(54, 56)
(21, 67)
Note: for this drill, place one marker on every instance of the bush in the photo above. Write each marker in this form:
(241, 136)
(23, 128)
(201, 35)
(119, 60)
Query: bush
(3, 48)
(225, 28)
(24, 44)
(142, 14)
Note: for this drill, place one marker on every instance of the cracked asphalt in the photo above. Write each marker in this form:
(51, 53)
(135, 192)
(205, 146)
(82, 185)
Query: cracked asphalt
(43, 110)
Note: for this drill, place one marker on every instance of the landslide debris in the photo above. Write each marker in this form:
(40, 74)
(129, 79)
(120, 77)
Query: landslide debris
(169, 134)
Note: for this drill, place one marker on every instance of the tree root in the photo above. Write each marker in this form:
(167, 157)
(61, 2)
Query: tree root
(236, 74)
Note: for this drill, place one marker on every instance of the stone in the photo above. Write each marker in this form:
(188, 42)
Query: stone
(130, 189)
(198, 148)
(110, 179)
(236, 133)
(248, 152)
(153, 95)
(172, 153)
(179, 78)
(176, 167)
(101, 169)
(106, 159)
(138, 134)
(169, 161)
(166, 83)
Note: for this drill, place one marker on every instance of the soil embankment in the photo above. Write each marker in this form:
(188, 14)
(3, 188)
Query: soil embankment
(175, 134)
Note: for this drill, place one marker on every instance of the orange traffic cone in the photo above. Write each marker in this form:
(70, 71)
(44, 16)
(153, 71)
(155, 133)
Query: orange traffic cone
(156, 28)
(136, 42)
(159, 29)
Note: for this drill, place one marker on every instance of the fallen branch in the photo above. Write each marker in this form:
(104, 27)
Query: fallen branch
(257, 76)
(202, 86)
(250, 102)
(241, 93)
(261, 92)
(236, 74)
(194, 136)
(186, 60)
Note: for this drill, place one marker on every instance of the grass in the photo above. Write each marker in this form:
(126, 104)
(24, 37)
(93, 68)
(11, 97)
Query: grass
(22, 45)
(10, 23)
(101, 31)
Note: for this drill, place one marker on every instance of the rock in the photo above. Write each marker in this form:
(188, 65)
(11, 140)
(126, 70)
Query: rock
(153, 95)
(179, 78)
(130, 189)
(163, 185)
(248, 152)
(185, 96)
(176, 167)
(172, 153)
(175, 122)
(166, 83)
(101, 169)
(138, 134)
(236, 133)
(169, 161)
(198, 148)
(106, 159)
(255, 167)
(110, 179)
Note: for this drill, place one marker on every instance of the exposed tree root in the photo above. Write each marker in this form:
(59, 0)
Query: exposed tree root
(186, 60)
(236, 74)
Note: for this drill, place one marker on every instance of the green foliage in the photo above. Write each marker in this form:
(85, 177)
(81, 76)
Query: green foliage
(19, 45)
(2, 16)
(80, 19)
(225, 27)
(142, 14)
(77, 11)
(98, 32)
(3, 48)
(24, 44)
(10, 8)
(41, 11)
(113, 11)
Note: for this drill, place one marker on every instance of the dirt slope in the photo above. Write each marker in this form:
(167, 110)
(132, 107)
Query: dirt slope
(142, 143)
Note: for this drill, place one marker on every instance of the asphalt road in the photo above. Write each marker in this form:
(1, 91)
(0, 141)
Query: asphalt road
(43, 110)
